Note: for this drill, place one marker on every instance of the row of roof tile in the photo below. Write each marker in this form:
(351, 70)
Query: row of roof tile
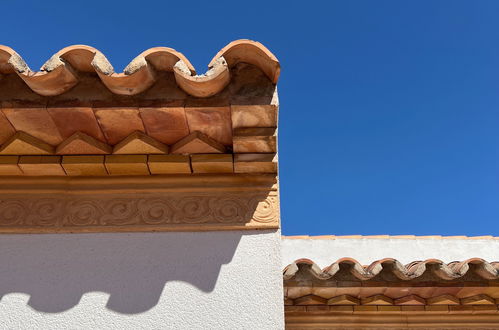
(60, 72)
(413, 270)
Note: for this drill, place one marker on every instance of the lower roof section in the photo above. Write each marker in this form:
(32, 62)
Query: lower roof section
(376, 291)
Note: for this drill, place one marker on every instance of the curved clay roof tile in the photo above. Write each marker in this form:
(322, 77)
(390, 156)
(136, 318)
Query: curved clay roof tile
(59, 73)
(411, 271)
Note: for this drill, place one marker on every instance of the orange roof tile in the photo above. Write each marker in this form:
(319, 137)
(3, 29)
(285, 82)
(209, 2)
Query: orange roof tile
(59, 73)
(356, 271)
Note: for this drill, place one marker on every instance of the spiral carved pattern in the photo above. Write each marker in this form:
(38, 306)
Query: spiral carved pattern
(193, 209)
(228, 209)
(84, 213)
(155, 211)
(161, 210)
(120, 212)
(46, 212)
(12, 212)
(266, 210)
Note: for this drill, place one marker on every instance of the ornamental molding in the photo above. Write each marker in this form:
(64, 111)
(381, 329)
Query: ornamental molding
(137, 204)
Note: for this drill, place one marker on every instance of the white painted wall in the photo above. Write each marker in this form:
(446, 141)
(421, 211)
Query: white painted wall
(366, 250)
(208, 280)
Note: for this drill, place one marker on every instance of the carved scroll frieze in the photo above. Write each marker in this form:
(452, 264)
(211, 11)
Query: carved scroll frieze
(144, 211)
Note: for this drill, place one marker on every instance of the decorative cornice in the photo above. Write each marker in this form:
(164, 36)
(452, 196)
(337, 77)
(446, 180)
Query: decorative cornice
(383, 300)
(392, 317)
(183, 203)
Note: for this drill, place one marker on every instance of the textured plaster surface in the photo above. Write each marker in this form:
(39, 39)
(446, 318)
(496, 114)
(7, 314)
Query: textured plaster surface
(325, 251)
(206, 280)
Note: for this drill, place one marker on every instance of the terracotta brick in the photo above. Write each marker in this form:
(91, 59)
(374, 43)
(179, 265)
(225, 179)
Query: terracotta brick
(255, 163)
(24, 144)
(84, 165)
(392, 309)
(35, 122)
(298, 291)
(118, 123)
(197, 143)
(214, 122)
(8, 165)
(437, 308)
(169, 164)
(82, 144)
(76, 119)
(443, 300)
(410, 300)
(343, 300)
(310, 300)
(480, 299)
(167, 125)
(41, 165)
(318, 309)
(253, 116)
(127, 164)
(6, 128)
(212, 163)
(341, 309)
(139, 143)
(254, 140)
(409, 308)
(377, 300)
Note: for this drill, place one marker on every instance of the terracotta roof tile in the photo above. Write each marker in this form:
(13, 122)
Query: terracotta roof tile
(76, 119)
(165, 124)
(117, 124)
(58, 74)
(36, 122)
(416, 269)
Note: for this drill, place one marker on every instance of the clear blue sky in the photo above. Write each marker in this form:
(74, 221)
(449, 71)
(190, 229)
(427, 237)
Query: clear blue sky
(389, 118)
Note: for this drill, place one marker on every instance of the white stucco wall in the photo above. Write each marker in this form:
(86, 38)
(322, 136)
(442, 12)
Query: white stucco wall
(366, 250)
(206, 280)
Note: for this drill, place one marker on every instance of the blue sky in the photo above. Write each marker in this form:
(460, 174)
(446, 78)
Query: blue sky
(389, 118)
